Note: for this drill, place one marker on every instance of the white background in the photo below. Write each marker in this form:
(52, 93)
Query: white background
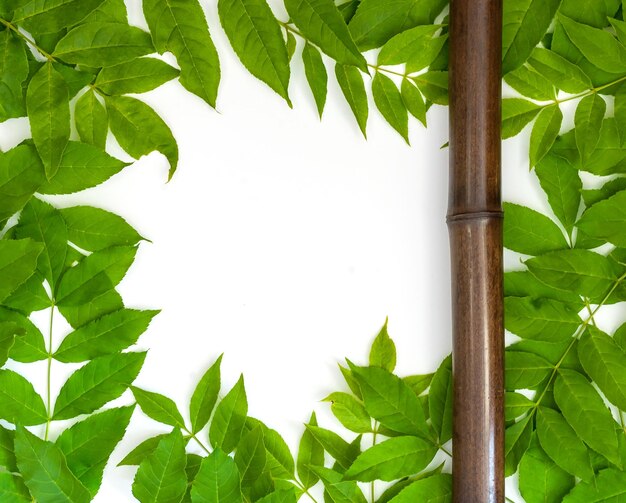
(283, 242)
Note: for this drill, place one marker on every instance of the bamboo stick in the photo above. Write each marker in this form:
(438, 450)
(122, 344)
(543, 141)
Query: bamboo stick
(475, 229)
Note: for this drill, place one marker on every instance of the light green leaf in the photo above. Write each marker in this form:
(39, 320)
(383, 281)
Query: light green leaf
(180, 27)
(30, 296)
(161, 476)
(383, 351)
(97, 383)
(391, 401)
(51, 16)
(158, 407)
(82, 166)
(310, 453)
(350, 412)
(562, 445)
(525, 370)
(106, 303)
(29, 347)
(540, 480)
(88, 444)
(47, 103)
(528, 231)
(392, 459)
(21, 174)
(524, 284)
(587, 414)
(279, 461)
(137, 76)
(435, 489)
(434, 86)
(322, 24)
(110, 10)
(609, 486)
(609, 189)
(516, 115)
(204, 397)
(540, 319)
(8, 332)
(544, 133)
(316, 75)
(217, 480)
(418, 383)
(250, 456)
(562, 184)
(92, 122)
(619, 111)
(531, 84)
(12, 489)
(558, 70)
(404, 45)
(13, 73)
(517, 439)
(103, 44)
(440, 401)
(605, 220)
(591, 13)
(139, 130)
(255, 36)
(280, 496)
(605, 362)
(94, 228)
(413, 100)
(337, 447)
(95, 275)
(588, 121)
(141, 452)
(338, 491)
(19, 402)
(18, 261)
(516, 405)
(351, 83)
(389, 102)
(228, 422)
(45, 471)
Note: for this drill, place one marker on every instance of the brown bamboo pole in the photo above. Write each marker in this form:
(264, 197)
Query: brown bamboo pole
(475, 228)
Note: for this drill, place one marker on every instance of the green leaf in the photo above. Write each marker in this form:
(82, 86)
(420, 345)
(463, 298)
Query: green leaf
(517, 439)
(605, 362)
(141, 452)
(525, 370)
(19, 402)
(562, 184)
(587, 414)
(139, 130)
(82, 166)
(558, 70)
(351, 83)
(528, 231)
(434, 86)
(280, 496)
(310, 453)
(88, 444)
(524, 25)
(45, 471)
(341, 491)
(204, 397)
(12, 489)
(337, 447)
(584, 272)
(228, 422)
(321, 23)
(30, 296)
(13, 73)
(92, 122)
(588, 121)
(21, 174)
(600, 47)
(540, 319)
(94, 228)
(106, 303)
(47, 103)
(609, 486)
(51, 16)
(540, 480)
(530, 83)
(524, 284)
(619, 111)
(435, 489)
(8, 332)
(516, 405)
(383, 351)
(418, 383)
(137, 76)
(406, 44)
(158, 407)
(562, 445)
(544, 133)
(18, 261)
(279, 461)
(316, 75)
(609, 189)
(103, 44)
(180, 27)
(255, 36)
(392, 459)
(413, 100)
(95, 275)
(291, 44)
(391, 401)
(109, 10)
(440, 401)
(97, 383)
(516, 115)
(161, 477)
(605, 220)
(250, 456)
(389, 102)
(217, 480)
(29, 347)
(43, 223)
(350, 412)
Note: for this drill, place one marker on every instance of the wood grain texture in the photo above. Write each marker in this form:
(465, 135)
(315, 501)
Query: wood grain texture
(475, 228)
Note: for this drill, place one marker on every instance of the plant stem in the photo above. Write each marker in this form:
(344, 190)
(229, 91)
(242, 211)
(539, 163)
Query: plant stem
(27, 39)
(305, 490)
(49, 373)
(591, 91)
(373, 484)
(198, 441)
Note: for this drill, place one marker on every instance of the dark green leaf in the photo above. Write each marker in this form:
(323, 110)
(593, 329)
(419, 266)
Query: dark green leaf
(540, 319)
(619, 110)
(609, 486)
(544, 133)
(29, 347)
(19, 402)
(137, 76)
(21, 174)
(524, 284)
(516, 405)
(106, 303)
(13, 73)
(217, 480)
(51, 16)
(605, 220)
(158, 407)
(91, 119)
(517, 439)
(563, 74)
(530, 83)
(389, 102)
(440, 401)
(351, 83)
(229, 419)
(609, 189)
(525, 370)
(316, 75)
(204, 397)
(588, 121)
(338, 448)
(18, 261)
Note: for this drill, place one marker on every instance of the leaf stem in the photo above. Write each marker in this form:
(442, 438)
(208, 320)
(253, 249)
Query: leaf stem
(305, 490)
(591, 91)
(373, 483)
(198, 441)
(27, 39)
(49, 373)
